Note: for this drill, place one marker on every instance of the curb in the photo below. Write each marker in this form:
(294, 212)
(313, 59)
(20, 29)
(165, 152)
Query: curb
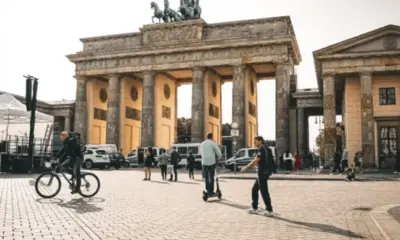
(387, 225)
(298, 178)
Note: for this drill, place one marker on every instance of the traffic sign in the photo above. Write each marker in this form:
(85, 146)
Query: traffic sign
(234, 132)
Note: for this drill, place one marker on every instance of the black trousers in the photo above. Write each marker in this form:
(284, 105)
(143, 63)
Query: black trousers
(209, 174)
(191, 173)
(163, 171)
(75, 164)
(175, 172)
(261, 184)
(337, 167)
(288, 165)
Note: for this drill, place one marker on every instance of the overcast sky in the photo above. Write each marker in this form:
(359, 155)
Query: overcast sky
(35, 36)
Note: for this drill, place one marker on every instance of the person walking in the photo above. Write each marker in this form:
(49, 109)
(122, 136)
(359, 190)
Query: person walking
(175, 159)
(209, 151)
(345, 160)
(162, 163)
(336, 158)
(191, 161)
(297, 161)
(264, 161)
(397, 165)
(287, 159)
(148, 163)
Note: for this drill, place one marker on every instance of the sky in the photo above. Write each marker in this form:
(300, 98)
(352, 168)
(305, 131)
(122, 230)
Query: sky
(36, 36)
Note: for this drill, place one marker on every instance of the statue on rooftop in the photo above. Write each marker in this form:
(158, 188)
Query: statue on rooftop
(188, 10)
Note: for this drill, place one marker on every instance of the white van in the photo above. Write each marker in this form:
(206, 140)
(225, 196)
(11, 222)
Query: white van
(96, 158)
(184, 148)
(109, 148)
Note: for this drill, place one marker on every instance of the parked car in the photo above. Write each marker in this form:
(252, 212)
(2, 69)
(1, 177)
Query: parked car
(95, 159)
(117, 160)
(243, 157)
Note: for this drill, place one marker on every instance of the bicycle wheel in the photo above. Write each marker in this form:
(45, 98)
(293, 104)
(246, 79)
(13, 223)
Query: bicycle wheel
(51, 184)
(89, 183)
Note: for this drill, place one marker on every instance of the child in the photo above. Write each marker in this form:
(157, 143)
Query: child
(190, 165)
(351, 173)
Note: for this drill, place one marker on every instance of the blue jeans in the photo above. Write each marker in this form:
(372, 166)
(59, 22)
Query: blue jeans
(209, 173)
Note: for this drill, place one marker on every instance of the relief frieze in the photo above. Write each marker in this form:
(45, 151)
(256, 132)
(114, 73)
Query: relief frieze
(183, 57)
(167, 36)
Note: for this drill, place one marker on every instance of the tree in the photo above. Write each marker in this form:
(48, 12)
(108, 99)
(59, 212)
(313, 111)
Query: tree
(226, 129)
(184, 130)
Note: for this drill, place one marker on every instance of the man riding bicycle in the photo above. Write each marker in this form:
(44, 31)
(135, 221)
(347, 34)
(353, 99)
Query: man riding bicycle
(71, 148)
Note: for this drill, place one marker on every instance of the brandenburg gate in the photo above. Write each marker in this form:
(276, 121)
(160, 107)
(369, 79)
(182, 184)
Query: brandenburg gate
(127, 84)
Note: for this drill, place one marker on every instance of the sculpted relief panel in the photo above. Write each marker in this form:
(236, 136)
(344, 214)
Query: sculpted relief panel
(171, 35)
(112, 43)
(185, 57)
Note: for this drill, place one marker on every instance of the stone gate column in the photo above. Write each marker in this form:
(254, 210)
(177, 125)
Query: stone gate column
(329, 116)
(148, 108)
(67, 123)
(238, 103)
(112, 134)
(197, 127)
(367, 119)
(301, 127)
(282, 107)
(81, 111)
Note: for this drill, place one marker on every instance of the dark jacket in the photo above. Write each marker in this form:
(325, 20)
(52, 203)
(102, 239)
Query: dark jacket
(70, 149)
(175, 158)
(191, 161)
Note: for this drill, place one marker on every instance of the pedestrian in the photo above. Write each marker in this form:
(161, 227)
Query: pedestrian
(162, 163)
(345, 159)
(397, 165)
(287, 159)
(381, 160)
(358, 161)
(264, 161)
(148, 163)
(336, 159)
(351, 173)
(175, 159)
(209, 151)
(191, 161)
(297, 161)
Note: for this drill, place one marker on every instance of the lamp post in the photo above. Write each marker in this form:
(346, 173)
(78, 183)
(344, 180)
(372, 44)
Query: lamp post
(234, 134)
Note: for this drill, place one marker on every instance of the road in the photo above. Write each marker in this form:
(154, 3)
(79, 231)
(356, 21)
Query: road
(129, 208)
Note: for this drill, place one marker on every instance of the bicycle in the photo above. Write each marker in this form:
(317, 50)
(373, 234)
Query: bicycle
(56, 167)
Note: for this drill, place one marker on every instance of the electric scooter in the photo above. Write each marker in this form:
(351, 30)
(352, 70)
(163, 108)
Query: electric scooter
(217, 193)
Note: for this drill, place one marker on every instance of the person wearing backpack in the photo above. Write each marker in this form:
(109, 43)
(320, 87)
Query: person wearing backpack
(73, 149)
(265, 163)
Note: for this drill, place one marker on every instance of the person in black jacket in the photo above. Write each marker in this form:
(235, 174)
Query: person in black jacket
(265, 163)
(191, 161)
(148, 163)
(337, 159)
(71, 149)
(175, 159)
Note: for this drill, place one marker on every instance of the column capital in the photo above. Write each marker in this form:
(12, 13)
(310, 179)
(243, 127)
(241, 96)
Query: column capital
(365, 73)
(149, 72)
(113, 75)
(81, 77)
(199, 68)
(326, 74)
(239, 65)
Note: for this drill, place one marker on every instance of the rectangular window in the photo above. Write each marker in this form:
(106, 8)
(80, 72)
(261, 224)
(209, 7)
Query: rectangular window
(387, 96)
(389, 141)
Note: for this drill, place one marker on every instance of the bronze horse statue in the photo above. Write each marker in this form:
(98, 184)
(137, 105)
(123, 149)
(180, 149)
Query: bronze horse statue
(158, 13)
(169, 14)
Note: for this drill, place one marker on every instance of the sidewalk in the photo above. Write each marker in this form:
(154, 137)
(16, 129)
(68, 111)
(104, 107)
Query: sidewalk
(306, 175)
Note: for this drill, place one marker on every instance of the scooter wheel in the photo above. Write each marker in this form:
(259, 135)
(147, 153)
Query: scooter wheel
(205, 197)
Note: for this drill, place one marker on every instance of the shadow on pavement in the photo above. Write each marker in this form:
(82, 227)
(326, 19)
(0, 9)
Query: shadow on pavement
(82, 205)
(313, 226)
(322, 228)
(365, 209)
(160, 182)
(49, 200)
(192, 183)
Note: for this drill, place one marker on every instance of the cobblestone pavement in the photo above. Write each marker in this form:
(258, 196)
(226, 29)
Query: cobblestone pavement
(128, 208)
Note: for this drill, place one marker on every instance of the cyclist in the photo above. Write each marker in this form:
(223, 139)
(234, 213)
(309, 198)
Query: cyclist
(71, 149)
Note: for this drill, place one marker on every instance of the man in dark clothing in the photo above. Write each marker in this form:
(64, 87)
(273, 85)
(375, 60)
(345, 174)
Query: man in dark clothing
(191, 161)
(71, 149)
(175, 159)
(337, 159)
(265, 167)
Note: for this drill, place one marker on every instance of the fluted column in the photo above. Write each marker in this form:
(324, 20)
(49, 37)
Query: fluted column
(197, 127)
(239, 103)
(329, 116)
(282, 107)
(81, 112)
(113, 111)
(367, 119)
(148, 108)
(67, 123)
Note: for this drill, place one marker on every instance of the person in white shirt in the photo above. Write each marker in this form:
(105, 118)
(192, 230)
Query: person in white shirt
(287, 159)
(209, 151)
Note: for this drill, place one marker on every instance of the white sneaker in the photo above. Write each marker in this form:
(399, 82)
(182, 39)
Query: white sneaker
(252, 211)
(268, 214)
(395, 172)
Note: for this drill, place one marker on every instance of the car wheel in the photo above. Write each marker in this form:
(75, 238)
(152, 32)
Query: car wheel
(88, 164)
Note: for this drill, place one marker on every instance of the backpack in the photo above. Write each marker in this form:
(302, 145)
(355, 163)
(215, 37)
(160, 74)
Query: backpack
(80, 146)
(270, 163)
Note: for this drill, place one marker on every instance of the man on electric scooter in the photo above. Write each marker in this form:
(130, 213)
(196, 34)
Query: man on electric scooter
(209, 151)
(71, 149)
(265, 167)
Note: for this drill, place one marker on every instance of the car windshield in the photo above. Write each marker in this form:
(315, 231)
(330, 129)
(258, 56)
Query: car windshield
(252, 152)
